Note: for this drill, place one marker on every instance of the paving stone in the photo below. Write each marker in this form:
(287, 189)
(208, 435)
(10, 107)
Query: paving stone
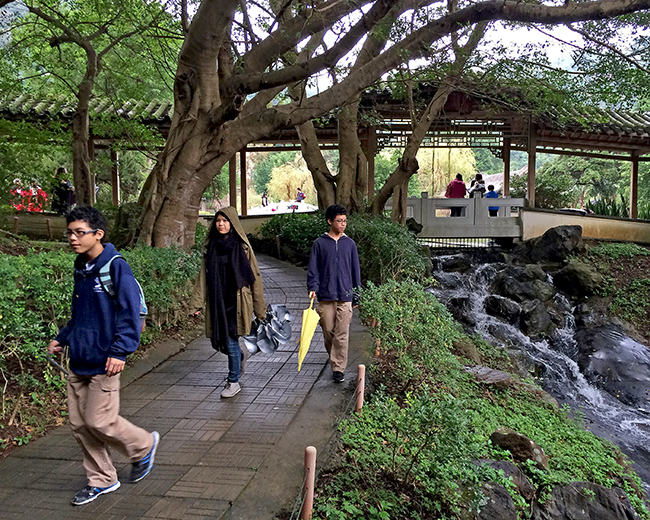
(187, 509)
(212, 483)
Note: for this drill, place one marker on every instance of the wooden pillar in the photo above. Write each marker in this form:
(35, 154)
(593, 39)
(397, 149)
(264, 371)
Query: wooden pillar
(244, 181)
(634, 186)
(115, 177)
(532, 156)
(371, 152)
(506, 166)
(232, 176)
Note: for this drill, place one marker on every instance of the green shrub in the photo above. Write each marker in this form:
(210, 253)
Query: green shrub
(297, 229)
(387, 250)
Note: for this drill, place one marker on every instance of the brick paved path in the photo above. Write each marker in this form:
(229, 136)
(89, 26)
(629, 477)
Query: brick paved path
(210, 449)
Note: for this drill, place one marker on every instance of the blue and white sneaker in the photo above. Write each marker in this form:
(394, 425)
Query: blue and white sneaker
(141, 468)
(90, 493)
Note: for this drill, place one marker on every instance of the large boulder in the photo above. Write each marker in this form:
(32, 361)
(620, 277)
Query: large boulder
(613, 362)
(498, 503)
(554, 246)
(461, 309)
(518, 477)
(490, 377)
(522, 283)
(503, 308)
(535, 320)
(520, 447)
(465, 348)
(453, 263)
(577, 279)
(585, 501)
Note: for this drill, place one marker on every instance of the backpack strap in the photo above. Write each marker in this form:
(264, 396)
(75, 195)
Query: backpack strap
(105, 276)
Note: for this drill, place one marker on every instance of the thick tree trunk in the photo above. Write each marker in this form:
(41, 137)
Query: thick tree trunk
(83, 179)
(352, 179)
(323, 179)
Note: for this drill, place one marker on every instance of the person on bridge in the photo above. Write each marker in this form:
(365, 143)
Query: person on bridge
(229, 288)
(103, 329)
(491, 194)
(456, 189)
(477, 187)
(332, 276)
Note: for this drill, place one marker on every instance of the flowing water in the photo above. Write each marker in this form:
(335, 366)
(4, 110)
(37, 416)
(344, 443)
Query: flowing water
(611, 390)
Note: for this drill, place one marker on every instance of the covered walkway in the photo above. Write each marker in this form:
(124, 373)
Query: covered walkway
(236, 459)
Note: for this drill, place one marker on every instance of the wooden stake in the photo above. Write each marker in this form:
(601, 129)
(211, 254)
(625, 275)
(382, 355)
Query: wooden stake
(310, 472)
(361, 387)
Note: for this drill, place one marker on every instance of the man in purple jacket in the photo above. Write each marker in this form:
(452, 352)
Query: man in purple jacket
(103, 329)
(332, 276)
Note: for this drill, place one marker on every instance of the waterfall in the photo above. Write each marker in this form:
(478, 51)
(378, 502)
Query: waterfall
(553, 362)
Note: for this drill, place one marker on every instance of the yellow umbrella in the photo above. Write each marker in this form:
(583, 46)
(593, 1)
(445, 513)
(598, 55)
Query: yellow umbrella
(309, 321)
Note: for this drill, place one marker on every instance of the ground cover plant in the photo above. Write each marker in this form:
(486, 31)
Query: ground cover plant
(626, 291)
(35, 291)
(413, 451)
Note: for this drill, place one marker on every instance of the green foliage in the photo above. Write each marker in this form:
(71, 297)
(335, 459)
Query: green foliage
(385, 165)
(409, 453)
(552, 190)
(616, 250)
(608, 208)
(298, 229)
(387, 250)
(263, 169)
(623, 266)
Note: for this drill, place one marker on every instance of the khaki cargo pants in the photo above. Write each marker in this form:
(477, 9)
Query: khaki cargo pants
(94, 405)
(335, 318)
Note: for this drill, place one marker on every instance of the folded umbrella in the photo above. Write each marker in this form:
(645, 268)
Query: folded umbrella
(310, 320)
(268, 335)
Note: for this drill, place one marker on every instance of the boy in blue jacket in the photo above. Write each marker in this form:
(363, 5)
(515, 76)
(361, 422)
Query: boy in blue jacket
(333, 274)
(103, 329)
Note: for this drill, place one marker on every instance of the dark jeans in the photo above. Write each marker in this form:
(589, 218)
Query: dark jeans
(457, 212)
(493, 212)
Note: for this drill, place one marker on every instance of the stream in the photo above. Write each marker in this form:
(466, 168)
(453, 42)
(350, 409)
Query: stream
(597, 370)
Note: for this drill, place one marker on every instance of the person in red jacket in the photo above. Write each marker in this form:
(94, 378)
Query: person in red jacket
(456, 190)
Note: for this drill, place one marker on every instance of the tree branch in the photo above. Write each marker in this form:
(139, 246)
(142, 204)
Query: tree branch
(608, 46)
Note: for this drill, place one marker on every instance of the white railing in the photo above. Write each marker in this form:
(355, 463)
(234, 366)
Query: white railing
(474, 219)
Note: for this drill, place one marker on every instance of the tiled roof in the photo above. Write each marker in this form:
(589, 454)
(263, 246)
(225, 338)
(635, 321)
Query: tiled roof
(25, 106)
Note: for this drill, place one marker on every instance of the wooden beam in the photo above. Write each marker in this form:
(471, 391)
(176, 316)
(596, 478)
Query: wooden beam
(244, 181)
(634, 186)
(232, 180)
(115, 177)
(506, 166)
(532, 156)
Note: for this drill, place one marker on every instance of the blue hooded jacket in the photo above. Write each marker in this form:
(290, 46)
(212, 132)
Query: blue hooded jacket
(101, 326)
(333, 271)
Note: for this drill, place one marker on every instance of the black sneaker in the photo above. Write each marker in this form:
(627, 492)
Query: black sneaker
(141, 469)
(338, 377)
(90, 493)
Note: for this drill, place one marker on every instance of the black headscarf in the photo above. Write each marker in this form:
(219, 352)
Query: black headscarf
(227, 271)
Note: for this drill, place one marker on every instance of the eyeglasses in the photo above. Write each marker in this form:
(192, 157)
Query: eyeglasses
(79, 233)
(340, 221)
